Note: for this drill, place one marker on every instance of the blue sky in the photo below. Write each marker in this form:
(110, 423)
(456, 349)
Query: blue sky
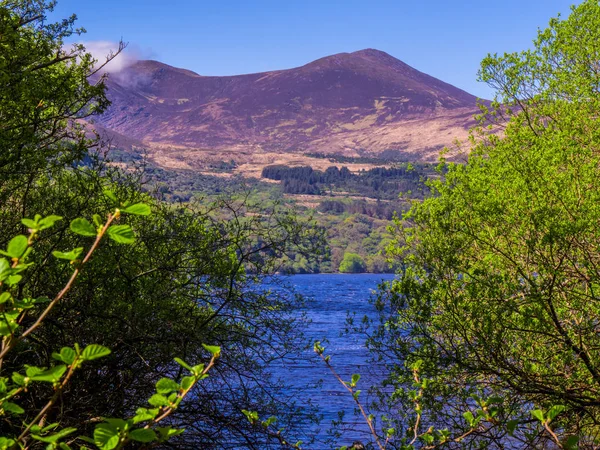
(446, 39)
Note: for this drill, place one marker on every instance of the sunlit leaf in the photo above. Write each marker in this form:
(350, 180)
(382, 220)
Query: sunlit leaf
(123, 234)
(83, 227)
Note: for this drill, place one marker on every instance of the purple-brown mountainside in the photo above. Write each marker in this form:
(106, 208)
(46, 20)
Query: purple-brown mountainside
(345, 103)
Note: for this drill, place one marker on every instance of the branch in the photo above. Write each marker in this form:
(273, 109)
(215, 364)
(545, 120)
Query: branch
(8, 346)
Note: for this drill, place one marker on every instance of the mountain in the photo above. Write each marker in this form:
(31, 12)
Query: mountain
(348, 103)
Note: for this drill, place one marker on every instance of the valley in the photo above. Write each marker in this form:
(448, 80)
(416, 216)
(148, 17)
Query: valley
(202, 138)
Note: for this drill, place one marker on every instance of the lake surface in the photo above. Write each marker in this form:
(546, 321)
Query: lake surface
(329, 300)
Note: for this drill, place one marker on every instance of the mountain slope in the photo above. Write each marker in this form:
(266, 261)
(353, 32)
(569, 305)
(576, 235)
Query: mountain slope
(346, 103)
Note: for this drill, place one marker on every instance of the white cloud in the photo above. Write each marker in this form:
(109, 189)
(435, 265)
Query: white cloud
(100, 50)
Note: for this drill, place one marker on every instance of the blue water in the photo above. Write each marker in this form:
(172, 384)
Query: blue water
(329, 300)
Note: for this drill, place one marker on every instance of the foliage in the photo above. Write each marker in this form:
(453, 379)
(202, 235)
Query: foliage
(498, 295)
(353, 225)
(24, 427)
(379, 182)
(352, 263)
(43, 94)
(194, 274)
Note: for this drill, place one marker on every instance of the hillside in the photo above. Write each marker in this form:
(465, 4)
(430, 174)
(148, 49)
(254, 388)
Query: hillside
(352, 104)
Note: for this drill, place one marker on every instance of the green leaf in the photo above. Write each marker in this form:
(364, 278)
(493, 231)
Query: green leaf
(13, 279)
(144, 414)
(50, 427)
(4, 297)
(168, 432)
(8, 322)
(48, 222)
(111, 195)
(252, 416)
(31, 224)
(494, 400)
(183, 364)
(416, 365)
(469, 418)
(94, 351)
(17, 246)
(83, 227)
(6, 443)
(12, 407)
(18, 379)
(70, 256)
(427, 438)
(5, 269)
(26, 303)
(538, 414)
(555, 411)
(197, 370)
(187, 382)
(51, 375)
(118, 424)
(139, 209)
(32, 371)
(143, 435)
(106, 436)
(166, 386)
(270, 421)
(97, 220)
(511, 426)
(123, 234)
(55, 437)
(213, 349)
(158, 400)
(355, 379)
(66, 355)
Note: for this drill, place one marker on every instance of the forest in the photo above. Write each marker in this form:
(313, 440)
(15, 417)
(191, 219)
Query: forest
(119, 304)
(379, 182)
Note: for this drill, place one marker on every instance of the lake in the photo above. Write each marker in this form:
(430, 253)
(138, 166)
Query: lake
(329, 299)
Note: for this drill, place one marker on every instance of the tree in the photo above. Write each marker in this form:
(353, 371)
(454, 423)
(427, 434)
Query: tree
(352, 263)
(499, 291)
(45, 89)
(29, 428)
(195, 272)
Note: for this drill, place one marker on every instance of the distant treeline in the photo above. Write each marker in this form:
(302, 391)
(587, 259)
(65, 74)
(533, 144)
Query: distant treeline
(378, 210)
(335, 158)
(381, 183)
(366, 157)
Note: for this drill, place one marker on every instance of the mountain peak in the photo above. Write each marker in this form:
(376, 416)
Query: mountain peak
(372, 53)
(368, 61)
(342, 102)
(151, 66)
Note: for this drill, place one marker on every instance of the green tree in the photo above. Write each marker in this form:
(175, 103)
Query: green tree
(499, 291)
(352, 263)
(45, 89)
(194, 273)
(29, 428)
